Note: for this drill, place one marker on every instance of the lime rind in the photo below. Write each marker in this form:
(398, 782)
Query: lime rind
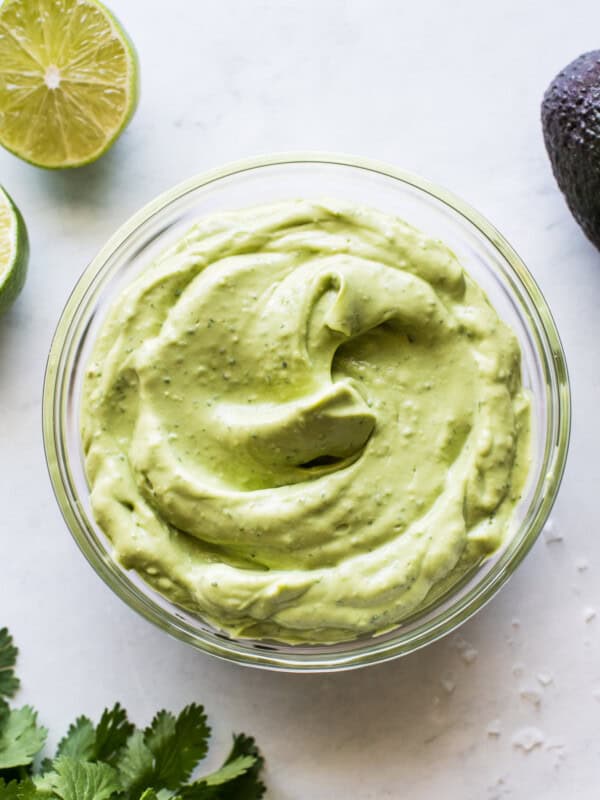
(13, 269)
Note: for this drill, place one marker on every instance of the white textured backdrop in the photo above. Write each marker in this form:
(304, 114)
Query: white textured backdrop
(449, 90)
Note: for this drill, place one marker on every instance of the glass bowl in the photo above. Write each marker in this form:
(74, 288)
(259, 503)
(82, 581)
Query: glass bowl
(485, 255)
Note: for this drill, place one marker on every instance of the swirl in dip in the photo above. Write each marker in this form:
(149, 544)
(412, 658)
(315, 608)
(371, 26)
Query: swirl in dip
(304, 422)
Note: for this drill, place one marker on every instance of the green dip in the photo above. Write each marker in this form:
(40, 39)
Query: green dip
(304, 422)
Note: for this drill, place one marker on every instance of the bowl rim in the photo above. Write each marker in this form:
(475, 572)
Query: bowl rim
(237, 650)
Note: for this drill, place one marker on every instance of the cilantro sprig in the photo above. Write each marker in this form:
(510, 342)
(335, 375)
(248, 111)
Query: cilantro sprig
(9, 683)
(114, 760)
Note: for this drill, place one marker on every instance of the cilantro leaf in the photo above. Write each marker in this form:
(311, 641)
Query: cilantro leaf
(160, 732)
(8, 657)
(113, 760)
(45, 766)
(166, 753)
(208, 787)
(177, 745)
(112, 733)
(198, 791)
(229, 771)
(79, 740)
(72, 779)
(248, 785)
(4, 711)
(23, 790)
(237, 779)
(21, 738)
(204, 788)
(104, 743)
(136, 765)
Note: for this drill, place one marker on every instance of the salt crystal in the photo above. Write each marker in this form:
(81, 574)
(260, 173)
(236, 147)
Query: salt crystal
(545, 678)
(458, 643)
(531, 696)
(469, 655)
(596, 694)
(465, 649)
(582, 564)
(516, 622)
(448, 684)
(551, 535)
(527, 739)
(589, 613)
(494, 728)
(517, 670)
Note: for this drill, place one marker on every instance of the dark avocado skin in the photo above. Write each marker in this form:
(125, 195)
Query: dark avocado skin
(571, 123)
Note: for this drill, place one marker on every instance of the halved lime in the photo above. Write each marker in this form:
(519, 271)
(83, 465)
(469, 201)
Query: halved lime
(14, 251)
(68, 81)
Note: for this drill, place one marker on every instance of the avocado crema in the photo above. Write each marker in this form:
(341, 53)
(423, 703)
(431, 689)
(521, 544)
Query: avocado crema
(304, 422)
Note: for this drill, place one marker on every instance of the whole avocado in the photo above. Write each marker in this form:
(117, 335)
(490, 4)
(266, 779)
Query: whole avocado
(571, 123)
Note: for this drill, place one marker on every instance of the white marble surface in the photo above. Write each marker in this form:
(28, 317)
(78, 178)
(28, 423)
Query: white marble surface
(450, 90)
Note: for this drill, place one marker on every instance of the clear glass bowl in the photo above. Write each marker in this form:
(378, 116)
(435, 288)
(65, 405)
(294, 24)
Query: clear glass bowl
(483, 252)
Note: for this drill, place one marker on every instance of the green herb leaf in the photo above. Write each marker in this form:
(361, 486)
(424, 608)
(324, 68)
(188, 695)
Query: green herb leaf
(233, 769)
(177, 744)
(205, 787)
(114, 761)
(45, 765)
(247, 786)
(149, 794)
(21, 738)
(103, 743)
(237, 779)
(8, 657)
(160, 733)
(136, 765)
(199, 791)
(166, 753)
(79, 780)
(79, 741)
(112, 733)
(22, 790)
(4, 711)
